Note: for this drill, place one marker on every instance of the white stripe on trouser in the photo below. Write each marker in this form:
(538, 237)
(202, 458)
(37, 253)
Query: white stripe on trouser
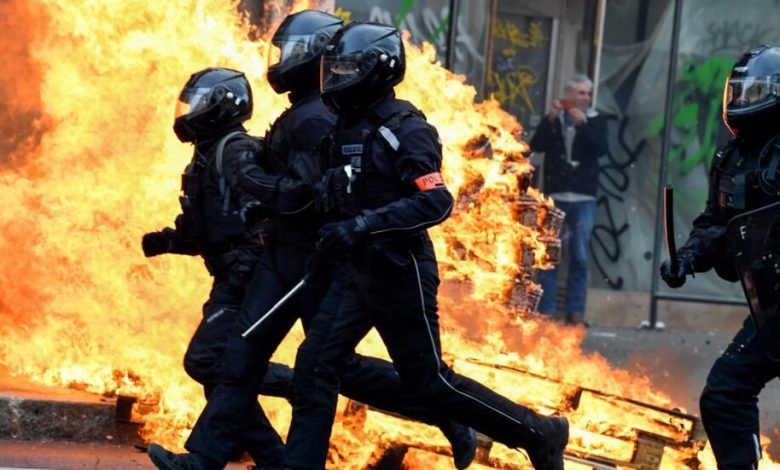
(436, 355)
(758, 449)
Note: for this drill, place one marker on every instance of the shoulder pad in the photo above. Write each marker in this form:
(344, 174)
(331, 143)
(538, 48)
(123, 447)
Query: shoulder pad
(389, 108)
(304, 112)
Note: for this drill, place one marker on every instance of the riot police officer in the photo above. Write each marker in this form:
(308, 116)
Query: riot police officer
(211, 109)
(743, 179)
(282, 180)
(385, 189)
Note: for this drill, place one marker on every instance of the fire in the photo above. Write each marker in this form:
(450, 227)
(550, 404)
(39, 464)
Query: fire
(89, 163)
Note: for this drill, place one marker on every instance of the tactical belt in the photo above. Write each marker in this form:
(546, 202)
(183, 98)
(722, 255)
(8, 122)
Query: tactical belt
(220, 264)
(283, 237)
(219, 249)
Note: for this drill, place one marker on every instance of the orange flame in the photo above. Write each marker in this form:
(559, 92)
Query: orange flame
(89, 163)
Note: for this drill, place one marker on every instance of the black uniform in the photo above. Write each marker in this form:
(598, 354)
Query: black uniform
(283, 183)
(389, 281)
(729, 402)
(288, 238)
(734, 235)
(210, 226)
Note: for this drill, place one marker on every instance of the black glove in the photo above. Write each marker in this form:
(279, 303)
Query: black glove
(337, 239)
(331, 191)
(675, 278)
(157, 243)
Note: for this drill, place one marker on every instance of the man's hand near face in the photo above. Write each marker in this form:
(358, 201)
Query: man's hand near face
(578, 116)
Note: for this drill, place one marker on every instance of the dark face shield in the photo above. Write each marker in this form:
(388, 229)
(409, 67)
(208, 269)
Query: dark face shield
(747, 94)
(288, 51)
(191, 101)
(342, 71)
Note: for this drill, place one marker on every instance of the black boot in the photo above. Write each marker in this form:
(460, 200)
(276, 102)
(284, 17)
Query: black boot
(552, 435)
(164, 459)
(463, 441)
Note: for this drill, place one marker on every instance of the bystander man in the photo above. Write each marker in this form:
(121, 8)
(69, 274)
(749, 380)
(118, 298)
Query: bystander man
(573, 137)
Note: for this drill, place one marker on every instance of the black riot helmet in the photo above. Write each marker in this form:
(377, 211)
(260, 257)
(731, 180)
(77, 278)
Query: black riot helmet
(212, 100)
(751, 99)
(362, 63)
(296, 48)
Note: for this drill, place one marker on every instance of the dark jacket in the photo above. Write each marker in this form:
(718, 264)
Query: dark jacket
(283, 177)
(396, 156)
(210, 224)
(733, 190)
(590, 143)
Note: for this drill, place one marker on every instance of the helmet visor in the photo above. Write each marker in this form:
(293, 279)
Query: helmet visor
(344, 70)
(192, 100)
(746, 93)
(290, 50)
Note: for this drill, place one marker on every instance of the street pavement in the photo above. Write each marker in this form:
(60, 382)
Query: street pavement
(677, 362)
(76, 456)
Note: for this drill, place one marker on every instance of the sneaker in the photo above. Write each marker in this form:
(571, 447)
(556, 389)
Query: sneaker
(549, 454)
(164, 459)
(463, 441)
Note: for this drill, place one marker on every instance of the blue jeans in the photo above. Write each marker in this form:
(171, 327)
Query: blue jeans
(576, 233)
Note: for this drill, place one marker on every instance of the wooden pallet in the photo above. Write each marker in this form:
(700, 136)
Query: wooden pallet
(607, 431)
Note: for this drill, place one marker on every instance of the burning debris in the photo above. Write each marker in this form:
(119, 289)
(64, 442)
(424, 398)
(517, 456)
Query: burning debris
(599, 435)
(99, 167)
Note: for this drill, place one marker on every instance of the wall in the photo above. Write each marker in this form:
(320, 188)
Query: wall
(633, 92)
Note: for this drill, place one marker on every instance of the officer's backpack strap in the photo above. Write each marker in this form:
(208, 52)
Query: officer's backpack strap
(224, 189)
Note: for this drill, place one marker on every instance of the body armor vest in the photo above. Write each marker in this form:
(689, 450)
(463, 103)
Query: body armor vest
(211, 210)
(301, 165)
(278, 156)
(737, 177)
(369, 147)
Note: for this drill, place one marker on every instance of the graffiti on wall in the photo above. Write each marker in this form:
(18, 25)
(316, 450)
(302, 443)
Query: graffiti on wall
(425, 23)
(696, 108)
(614, 179)
(696, 113)
(708, 49)
(518, 76)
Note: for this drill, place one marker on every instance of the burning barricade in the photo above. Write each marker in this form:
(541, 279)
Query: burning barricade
(96, 166)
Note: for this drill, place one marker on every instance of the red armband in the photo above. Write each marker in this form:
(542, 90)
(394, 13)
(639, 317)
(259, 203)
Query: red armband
(429, 181)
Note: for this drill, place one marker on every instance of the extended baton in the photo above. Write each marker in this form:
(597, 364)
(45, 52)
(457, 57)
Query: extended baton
(277, 305)
(671, 250)
(314, 267)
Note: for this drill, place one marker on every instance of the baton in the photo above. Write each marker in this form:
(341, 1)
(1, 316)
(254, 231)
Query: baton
(277, 305)
(314, 267)
(671, 250)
